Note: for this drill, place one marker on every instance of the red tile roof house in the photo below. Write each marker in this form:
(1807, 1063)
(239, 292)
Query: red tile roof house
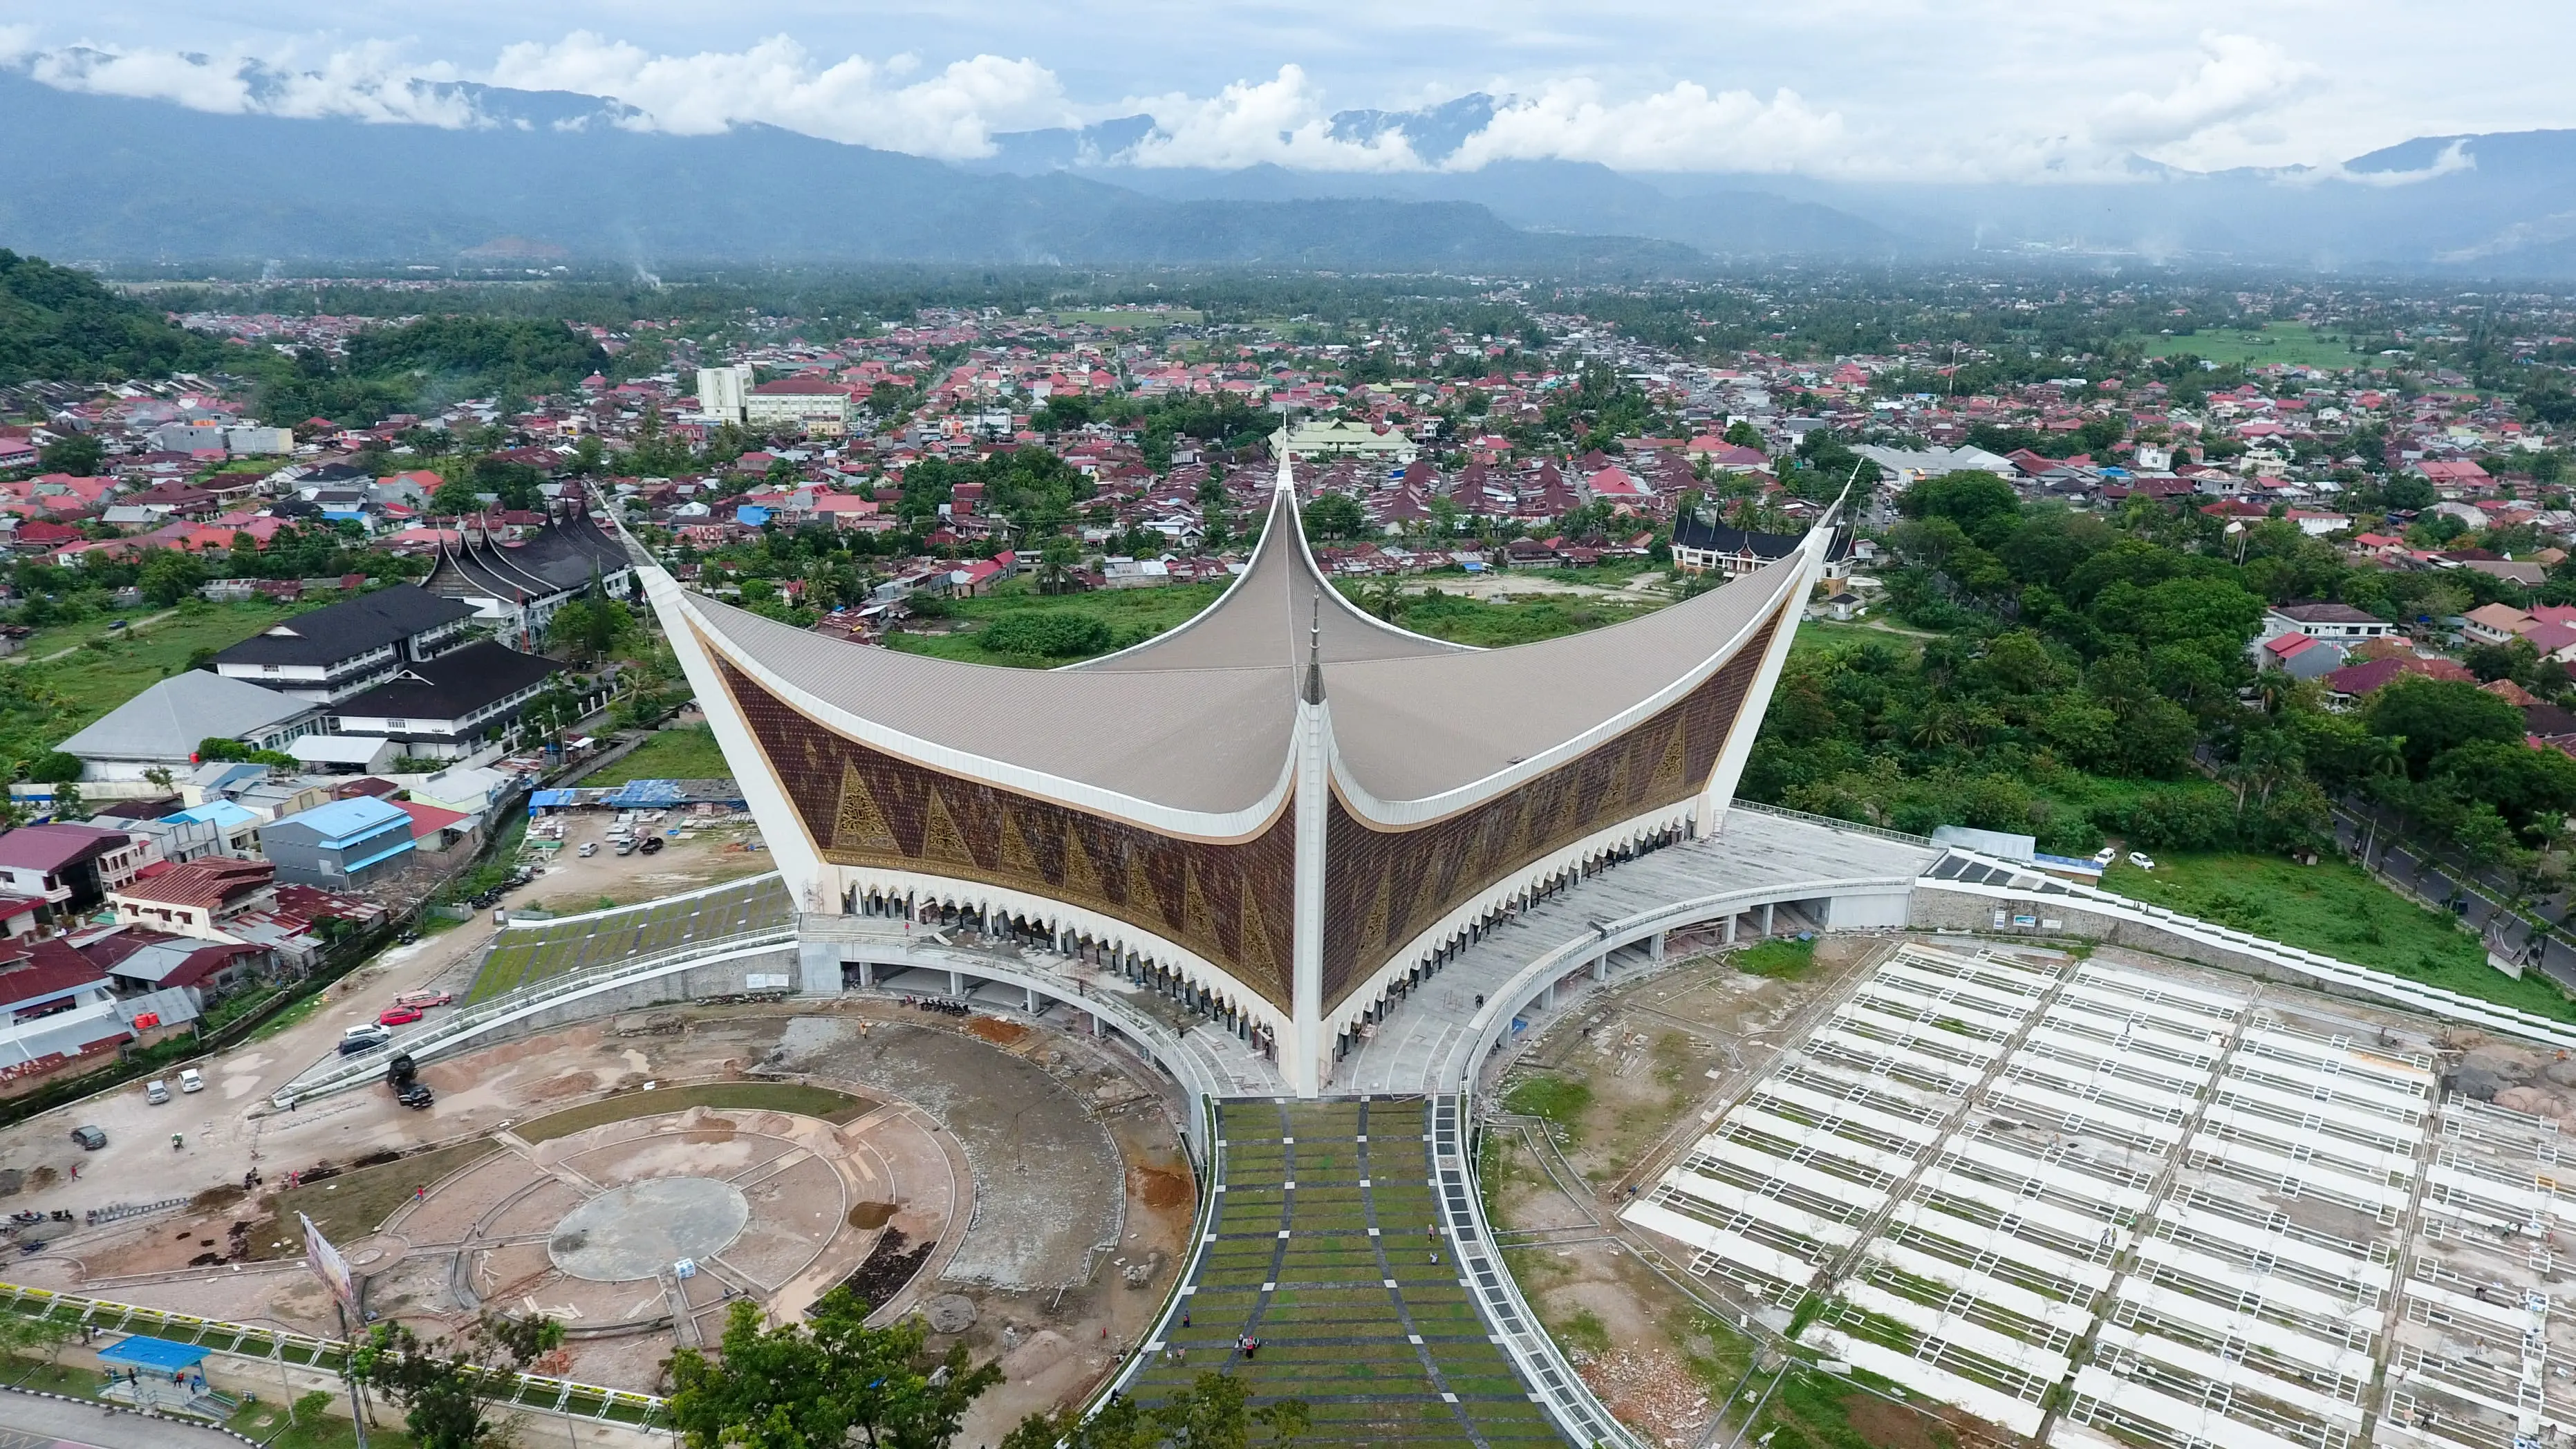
(2356, 681)
(196, 898)
(56, 1010)
(68, 867)
(2298, 656)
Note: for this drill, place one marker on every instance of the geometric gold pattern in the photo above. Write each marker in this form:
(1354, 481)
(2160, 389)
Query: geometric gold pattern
(1382, 887)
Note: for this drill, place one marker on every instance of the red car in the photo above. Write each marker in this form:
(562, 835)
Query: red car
(399, 1016)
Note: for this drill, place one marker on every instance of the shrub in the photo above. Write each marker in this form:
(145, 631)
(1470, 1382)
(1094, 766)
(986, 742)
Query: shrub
(1048, 634)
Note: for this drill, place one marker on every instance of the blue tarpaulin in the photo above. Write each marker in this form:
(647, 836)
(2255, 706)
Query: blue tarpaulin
(154, 1353)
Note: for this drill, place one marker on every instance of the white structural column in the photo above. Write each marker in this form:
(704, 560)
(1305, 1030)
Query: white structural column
(800, 863)
(1302, 1057)
(1720, 789)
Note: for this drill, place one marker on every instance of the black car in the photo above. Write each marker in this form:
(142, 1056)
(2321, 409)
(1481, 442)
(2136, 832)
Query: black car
(417, 1096)
(90, 1138)
(651, 843)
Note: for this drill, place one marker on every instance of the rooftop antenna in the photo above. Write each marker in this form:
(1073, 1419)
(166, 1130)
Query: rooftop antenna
(1314, 691)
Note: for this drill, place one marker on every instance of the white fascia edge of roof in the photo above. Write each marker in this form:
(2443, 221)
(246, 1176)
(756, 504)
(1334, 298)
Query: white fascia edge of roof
(1225, 828)
(1400, 814)
(1306, 555)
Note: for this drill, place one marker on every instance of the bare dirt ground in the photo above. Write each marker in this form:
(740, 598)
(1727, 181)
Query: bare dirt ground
(1085, 1211)
(702, 855)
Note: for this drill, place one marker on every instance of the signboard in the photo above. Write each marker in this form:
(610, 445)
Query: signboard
(330, 1267)
(767, 981)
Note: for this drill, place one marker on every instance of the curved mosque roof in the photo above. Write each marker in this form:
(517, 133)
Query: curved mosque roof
(1203, 720)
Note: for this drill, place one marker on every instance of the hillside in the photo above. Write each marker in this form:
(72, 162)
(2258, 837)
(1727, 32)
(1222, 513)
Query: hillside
(59, 323)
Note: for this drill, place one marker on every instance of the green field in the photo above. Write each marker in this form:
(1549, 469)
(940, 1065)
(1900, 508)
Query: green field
(2336, 909)
(1373, 1332)
(1133, 615)
(684, 752)
(1815, 635)
(1112, 317)
(2295, 344)
(48, 701)
(526, 954)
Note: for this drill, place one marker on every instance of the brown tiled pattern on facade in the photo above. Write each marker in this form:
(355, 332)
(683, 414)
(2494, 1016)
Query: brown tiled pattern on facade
(1233, 904)
(1383, 886)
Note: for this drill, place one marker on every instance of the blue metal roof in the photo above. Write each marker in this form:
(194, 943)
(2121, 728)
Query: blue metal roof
(154, 1353)
(345, 822)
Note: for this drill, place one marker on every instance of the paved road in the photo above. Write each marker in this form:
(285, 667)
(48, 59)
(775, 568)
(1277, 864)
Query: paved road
(2441, 881)
(28, 1422)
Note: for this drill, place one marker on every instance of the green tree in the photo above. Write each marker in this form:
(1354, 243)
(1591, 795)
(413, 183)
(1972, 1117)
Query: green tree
(588, 628)
(812, 1385)
(169, 575)
(444, 1386)
(456, 498)
(1214, 1412)
(78, 454)
(2431, 717)
(1335, 515)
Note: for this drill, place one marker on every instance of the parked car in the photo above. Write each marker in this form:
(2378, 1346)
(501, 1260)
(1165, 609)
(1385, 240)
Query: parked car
(90, 1138)
(2106, 855)
(398, 1016)
(2141, 860)
(589, 848)
(651, 843)
(626, 847)
(157, 1093)
(191, 1080)
(424, 999)
(417, 1096)
(363, 1039)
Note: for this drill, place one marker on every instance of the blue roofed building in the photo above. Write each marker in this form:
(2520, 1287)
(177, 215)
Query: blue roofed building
(340, 846)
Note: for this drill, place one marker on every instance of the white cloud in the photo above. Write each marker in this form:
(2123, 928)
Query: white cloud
(367, 83)
(950, 114)
(1686, 128)
(2239, 78)
(1281, 120)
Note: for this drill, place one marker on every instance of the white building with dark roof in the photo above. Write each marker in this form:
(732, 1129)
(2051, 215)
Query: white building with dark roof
(340, 650)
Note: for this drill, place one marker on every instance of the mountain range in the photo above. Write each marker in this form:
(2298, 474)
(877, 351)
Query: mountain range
(560, 175)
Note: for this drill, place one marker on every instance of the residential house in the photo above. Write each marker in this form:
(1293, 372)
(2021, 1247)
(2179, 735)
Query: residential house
(196, 898)
(69, 868)
(339, 846)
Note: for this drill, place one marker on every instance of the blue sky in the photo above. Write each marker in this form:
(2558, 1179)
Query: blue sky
(1959, 89)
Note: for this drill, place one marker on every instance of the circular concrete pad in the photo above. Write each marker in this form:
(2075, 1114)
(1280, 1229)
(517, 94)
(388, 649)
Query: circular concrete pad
(643, 1228)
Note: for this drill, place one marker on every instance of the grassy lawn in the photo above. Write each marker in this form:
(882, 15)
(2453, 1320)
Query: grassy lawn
(266, 1423)
(354, 1204)
(1817, 635)
(1783, 960)
(1503, 623)
(688, 752)
(1552, 1098)
(1111, 317)
(1133, 615)
(533, 953)
(2336, 909)
(831, 1106)
(48, 701)
(2293, 343)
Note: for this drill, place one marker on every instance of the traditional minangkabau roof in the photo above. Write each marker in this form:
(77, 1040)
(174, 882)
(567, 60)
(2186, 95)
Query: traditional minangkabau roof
(1201, 722)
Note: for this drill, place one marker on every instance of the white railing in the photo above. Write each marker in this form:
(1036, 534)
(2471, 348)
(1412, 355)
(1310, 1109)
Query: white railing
(1505, 1001)
(359, 1068)
(2434, 1000)
(1542, 1365)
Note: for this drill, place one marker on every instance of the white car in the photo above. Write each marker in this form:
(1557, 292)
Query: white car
(2141, 860)
(2106, 855)
(190, 1081)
